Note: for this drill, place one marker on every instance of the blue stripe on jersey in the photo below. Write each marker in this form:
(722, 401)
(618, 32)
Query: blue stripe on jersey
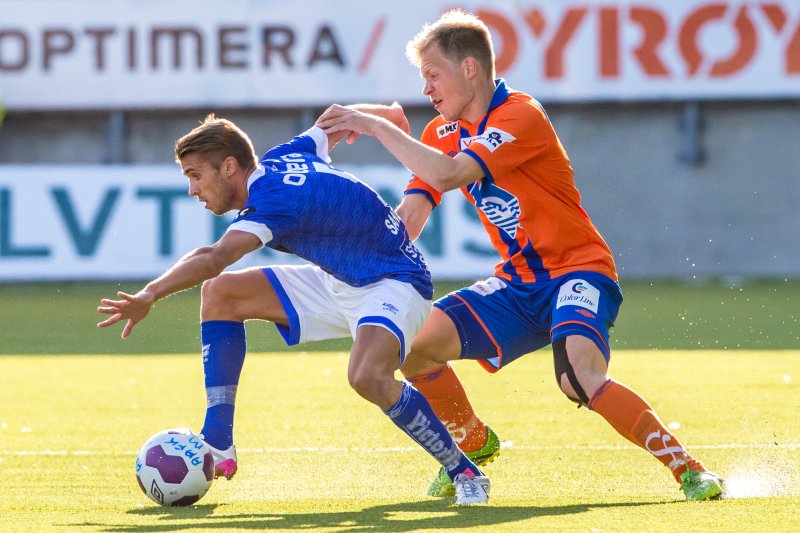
(501, 92)
(534, 261)
(482, 125)
(513, 249)
(425, 193)
(532, 258)
(476, 157)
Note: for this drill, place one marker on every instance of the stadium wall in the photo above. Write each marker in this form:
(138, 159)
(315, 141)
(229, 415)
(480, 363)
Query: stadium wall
(731, 211)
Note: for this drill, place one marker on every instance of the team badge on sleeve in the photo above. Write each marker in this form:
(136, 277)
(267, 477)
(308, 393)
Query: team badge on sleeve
(493, 138)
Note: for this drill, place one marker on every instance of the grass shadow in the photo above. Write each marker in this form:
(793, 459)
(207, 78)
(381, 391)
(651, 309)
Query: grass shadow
(389, 518)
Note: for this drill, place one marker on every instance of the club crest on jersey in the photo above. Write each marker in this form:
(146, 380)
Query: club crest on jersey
(446, 129)
(500, 206)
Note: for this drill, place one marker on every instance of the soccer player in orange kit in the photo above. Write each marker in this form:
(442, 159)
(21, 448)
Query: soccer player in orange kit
(556, 282)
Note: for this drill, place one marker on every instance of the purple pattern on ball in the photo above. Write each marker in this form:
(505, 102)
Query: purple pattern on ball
(186, 500)
(171, 467)
(208, 466)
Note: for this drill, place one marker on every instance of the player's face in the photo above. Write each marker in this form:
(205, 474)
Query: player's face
(446, 83)
(208, 184)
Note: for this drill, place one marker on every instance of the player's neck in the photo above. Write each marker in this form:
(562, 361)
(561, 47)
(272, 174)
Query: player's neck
(243, 191)
(479, 105)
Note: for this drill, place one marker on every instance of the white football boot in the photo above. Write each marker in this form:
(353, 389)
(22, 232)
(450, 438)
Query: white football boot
(225, 464)
(471, 490)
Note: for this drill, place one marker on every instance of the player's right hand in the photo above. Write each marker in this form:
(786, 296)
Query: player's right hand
(133, 308)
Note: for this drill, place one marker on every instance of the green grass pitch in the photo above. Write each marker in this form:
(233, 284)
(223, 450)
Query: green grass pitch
(315, 456)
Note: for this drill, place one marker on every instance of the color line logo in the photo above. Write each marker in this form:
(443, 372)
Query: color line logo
(579, 287)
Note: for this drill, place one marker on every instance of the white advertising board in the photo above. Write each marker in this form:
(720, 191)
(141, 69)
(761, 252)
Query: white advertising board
(86, 54)
(134, 222)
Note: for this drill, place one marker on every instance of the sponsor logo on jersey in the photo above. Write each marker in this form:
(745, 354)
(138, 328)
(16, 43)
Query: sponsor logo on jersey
(493, 138)
(246, 211)
(446, 129)
(465, 142)
(500, 206)
(580, 293)
(587, 314)
(488, 286)
(389, 307)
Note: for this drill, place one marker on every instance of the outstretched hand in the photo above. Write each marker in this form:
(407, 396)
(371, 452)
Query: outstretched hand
(338, 118)
(133, 308)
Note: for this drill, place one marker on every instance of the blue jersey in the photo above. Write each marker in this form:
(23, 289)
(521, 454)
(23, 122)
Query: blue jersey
(298, 203)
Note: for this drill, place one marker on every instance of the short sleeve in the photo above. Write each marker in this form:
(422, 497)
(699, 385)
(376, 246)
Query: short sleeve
(270, 213)
(417, 185)
(313, 141)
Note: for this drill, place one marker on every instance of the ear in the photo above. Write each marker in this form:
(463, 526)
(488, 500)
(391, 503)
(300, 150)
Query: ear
(230, 165)
(470, 66)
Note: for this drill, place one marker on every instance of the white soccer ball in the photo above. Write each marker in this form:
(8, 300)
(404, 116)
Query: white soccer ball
(175, 467)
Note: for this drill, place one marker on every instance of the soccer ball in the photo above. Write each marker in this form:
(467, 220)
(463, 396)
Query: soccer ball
(175, 467)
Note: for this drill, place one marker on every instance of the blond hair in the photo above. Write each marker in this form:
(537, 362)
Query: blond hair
(459, 35)
(218, 139)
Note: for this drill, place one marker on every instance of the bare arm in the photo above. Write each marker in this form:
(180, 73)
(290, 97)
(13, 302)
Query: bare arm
(192, 269)
(414, 211)
(443, 172)
(393, 113)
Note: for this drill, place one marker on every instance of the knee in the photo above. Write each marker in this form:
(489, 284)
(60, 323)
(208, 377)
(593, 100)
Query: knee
(423, 358)
(366, 382)
(415, 363)
(421, 350)
(568, 390)
(576, 373)
(215, 300)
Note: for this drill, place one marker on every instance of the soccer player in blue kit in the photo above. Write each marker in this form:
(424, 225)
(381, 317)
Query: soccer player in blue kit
(366, 280)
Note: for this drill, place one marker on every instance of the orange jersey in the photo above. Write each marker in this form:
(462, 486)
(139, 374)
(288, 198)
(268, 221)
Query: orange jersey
(527, 199)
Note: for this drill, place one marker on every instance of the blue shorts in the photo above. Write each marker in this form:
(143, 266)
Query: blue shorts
(499, 321)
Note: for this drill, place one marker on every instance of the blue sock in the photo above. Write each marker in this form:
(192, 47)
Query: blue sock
(413, 414)
(224, 348)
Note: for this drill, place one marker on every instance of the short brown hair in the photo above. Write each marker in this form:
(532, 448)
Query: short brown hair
(458, 34)
(217, 139)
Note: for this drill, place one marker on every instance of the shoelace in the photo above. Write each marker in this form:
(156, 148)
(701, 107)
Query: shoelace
(468, 487)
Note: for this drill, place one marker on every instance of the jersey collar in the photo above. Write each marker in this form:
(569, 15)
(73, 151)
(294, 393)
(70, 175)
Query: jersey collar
(257, 173)
(501, 93)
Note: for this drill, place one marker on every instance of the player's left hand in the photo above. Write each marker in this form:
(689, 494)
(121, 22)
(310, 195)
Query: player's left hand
(133, 308)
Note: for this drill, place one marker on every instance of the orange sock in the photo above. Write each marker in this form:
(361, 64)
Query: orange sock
(634, 419)
(447, 397)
